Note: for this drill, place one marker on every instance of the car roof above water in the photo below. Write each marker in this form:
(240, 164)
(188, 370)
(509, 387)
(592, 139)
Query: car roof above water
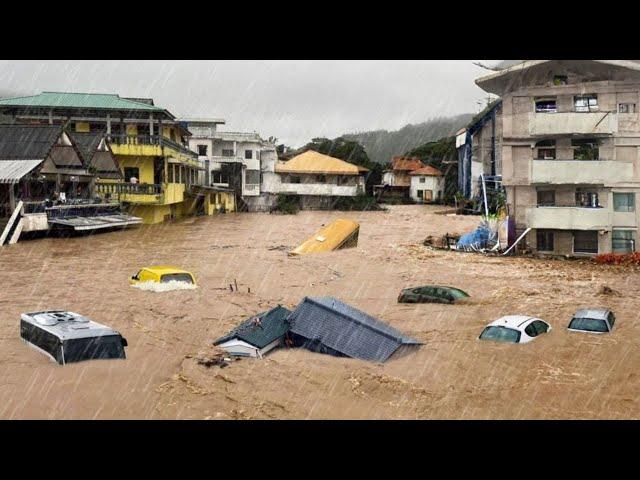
(164, 270)
(67, 325)
(512, 321)
(594, 313)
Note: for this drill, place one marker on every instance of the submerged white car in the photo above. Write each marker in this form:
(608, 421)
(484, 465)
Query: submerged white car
(592, 320)
(515, 329)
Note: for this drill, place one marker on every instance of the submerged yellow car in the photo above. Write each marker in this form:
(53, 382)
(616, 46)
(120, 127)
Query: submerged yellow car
(162, 274)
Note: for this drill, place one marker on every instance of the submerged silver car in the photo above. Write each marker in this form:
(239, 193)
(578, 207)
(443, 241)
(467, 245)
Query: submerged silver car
(592, 320)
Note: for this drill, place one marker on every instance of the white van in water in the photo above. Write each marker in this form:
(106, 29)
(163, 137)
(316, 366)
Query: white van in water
(67, 337)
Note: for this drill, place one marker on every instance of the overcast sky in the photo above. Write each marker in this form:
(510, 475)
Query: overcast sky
(291, 100)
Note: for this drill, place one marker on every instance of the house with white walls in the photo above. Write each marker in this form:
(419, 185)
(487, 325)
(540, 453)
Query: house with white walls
(427, 184)
(316, 179)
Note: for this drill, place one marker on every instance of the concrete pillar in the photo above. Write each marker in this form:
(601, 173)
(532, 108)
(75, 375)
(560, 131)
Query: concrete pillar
(50, 117)
(108, 124)
(151, 124)
(235, 149)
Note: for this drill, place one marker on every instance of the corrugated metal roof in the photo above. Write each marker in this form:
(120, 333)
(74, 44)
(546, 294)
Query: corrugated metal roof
(331, 323)
(262, 329)
(329, 238)
(428, 170)
(315, 162)
(27, 142)
(79, 100)
(11, 171)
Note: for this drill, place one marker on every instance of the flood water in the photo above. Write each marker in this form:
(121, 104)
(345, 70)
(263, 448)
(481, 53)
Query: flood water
(453, 375)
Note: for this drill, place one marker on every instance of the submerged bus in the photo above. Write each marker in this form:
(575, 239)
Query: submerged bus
(67, 337)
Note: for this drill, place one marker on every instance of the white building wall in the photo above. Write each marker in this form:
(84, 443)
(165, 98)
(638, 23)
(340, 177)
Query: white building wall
(430, 182)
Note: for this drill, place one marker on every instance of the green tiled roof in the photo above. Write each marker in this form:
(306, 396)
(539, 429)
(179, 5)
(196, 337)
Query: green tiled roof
(271, 326)
(79, 100)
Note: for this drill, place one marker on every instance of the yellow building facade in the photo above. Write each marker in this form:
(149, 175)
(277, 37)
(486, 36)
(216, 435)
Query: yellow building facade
(162, 178)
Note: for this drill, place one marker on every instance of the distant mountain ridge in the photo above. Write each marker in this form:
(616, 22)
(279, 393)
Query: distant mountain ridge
(382, 145)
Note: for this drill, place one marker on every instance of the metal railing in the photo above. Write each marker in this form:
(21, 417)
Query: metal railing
(129, 188)
(123, 139)
(160, 140)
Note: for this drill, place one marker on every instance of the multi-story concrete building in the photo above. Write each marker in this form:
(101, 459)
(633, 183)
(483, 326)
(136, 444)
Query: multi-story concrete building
(234, 160)
(571, 152)
(161, 175)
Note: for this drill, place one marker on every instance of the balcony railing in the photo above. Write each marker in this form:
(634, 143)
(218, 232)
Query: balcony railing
(575, 172)
(564, 123)
(569, 217)
(129, 188)
(120, 139)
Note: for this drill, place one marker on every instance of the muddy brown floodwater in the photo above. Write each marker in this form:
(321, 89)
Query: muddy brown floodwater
(453, 375)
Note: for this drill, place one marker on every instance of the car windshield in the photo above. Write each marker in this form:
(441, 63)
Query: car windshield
(500, 334)
(78, 349)
(458, 293)
(588, 324)
(176, 277)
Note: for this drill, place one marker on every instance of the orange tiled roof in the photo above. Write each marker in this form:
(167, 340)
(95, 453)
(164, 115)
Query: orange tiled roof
(406, 163)
(428, 170)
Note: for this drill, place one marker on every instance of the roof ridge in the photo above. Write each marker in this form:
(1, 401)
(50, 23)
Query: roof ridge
(81, 93)
(366, 325)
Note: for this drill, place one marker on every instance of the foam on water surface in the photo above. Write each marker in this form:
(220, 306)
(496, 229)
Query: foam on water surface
(164, 287)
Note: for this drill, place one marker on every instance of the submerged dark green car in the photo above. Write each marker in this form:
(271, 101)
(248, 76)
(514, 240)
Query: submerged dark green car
(431, 294)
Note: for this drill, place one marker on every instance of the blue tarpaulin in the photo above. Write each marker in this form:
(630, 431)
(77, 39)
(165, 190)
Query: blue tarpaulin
(475, 240)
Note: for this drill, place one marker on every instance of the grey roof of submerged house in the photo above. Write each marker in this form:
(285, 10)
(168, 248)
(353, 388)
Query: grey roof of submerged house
(346, 330)
(260, 330)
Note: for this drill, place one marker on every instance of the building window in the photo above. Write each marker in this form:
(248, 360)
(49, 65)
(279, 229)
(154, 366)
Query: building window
(624, 202)
(293, 179)
(560, 80)
(546, 105)
(321, 179)
(586, 103)
(544, 240)
(252, 177)
(587, 199)
(202, 150)
(546, 198)
(131, 172)
(626, 108)
(219, 177)
(546, 150)
(585, 241)
(227, 152)
(346, 180)
(623, 241)
(585, 149)
(248, 154)
(423, 180)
